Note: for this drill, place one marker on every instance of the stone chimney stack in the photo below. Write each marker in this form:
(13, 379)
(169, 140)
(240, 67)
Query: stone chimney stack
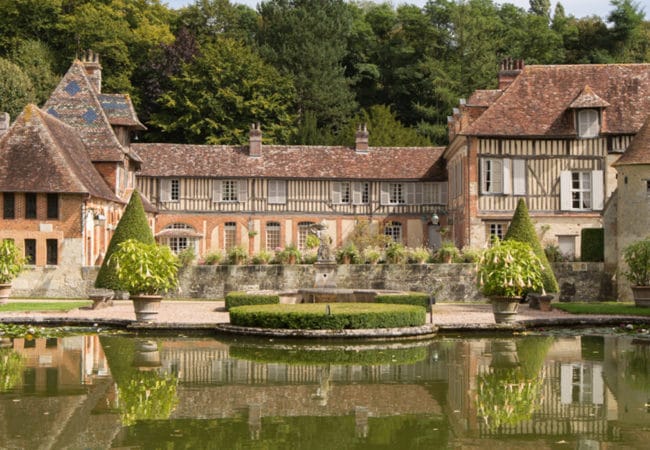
(361, 139)
(509, 69)
(4, 123)
(255, 140)
(90, 60)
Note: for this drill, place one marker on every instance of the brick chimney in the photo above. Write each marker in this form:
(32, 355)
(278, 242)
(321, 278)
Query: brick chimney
(4, 122)
(509, 69)
(361, 139)
(255, 140)
(90, 60)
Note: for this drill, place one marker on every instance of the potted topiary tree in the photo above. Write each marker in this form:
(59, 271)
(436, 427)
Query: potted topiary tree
(145, 271)
(506, 271)
(637, 258)
(12, 263)
(522, 229)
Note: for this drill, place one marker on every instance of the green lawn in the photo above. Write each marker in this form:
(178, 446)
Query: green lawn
(611, 308)
(35, 306)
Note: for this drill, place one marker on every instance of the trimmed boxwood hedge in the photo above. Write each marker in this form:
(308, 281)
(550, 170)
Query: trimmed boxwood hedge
(341, 356)
(592, 244)
(235, 298)
(410, 298)
(314, 316)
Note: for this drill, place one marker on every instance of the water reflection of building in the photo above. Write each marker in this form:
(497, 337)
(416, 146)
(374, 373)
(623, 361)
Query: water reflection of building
(62, 381)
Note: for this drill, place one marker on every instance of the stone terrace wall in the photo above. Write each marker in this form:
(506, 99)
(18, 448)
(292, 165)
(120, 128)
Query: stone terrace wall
(453, 282)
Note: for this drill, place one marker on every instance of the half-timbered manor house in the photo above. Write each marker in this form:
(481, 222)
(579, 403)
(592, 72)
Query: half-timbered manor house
(548, 134)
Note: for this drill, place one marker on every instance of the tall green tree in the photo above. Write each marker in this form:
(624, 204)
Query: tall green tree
(307, 40)
(132, 225)
(37, 62)
(16, 89)
(541, 8)
(220, 93)
(627, 40)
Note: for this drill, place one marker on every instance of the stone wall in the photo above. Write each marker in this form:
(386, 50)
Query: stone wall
(451, 282)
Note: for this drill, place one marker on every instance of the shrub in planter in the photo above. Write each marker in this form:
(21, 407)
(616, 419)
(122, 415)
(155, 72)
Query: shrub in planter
(289, 255)
(236, 298)
(212, 259)
(395, 253)
(447, 253)
(132, 225)
(412, 298)
(12, 263)
(418, 255)
(637, 258)
(470, 254)
(262, 257)
(237, 255)
(348, 254)
(186, 257)
(372, 255)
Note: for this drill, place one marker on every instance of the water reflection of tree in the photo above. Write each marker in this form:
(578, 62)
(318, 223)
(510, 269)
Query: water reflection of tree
(509, 392)
(637, 372)
(147, 395)
(11, 368)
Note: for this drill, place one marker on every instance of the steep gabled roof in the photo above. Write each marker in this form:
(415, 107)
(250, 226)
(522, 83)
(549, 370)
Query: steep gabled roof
(484, 97)
(638, 152)
(539, 100)
(588, 99)
(279, 161)
(120, 111)
(75, 102)
(42, 154)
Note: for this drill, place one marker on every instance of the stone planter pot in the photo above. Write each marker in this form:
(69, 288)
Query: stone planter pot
(5, 292)
(146, 307)
(505, 308)
(641, 296)
(539, 301)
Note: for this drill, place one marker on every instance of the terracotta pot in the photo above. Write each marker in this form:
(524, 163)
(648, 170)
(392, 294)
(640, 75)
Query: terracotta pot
(146, 307)
(5, 292)
(641, 296)
(505, 308)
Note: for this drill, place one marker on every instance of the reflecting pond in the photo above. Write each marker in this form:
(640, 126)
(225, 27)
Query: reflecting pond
(91, 391)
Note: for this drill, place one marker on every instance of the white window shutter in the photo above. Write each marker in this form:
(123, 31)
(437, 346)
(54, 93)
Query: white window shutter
(165, 190)
(588, 123)
(336, 192)
(519, 177)
(357, 192)
(483, 175)
(566, 384)
(216, 190)
(410, 193)
(442, 193)
(282, 191)
(507, 176)
(385, 194)
(597, 190)
(242, 194)
(272, 191)
(565, 191)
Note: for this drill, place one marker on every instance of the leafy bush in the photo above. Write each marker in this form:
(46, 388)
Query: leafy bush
(289, 255)
(447, 253)
(395, 253)
(637, 258)
(213, 258)
(237, 298)
(186, 257)
(412, 298)
(262, 257)
(309, 257)
(12, 261)
(521, 229)
(592, 244)
(418, 255)
(147, 396)
(132, 225)
(553, 253)
(470, 254)
(348, 254)
(509, 269)
(319, 316)
(237, 255)
(312, 241)
(366, 234)
(372, 254)
(11, 368)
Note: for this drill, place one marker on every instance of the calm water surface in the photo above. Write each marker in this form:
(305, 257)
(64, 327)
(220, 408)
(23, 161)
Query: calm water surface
(533, 392)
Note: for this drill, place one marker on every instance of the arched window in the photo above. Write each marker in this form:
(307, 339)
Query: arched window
(394, 230)
(303, 231)
(272, 235)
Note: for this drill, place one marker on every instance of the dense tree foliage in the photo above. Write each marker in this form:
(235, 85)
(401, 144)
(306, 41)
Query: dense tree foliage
(308, 70)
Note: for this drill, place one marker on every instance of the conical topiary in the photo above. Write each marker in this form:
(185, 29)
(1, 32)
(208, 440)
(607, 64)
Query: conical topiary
(522, 229)
(132, 225)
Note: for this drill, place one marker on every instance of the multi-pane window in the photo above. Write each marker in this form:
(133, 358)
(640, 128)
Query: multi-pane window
(52, 252)
(492, 182)
(229, 191)
(52, 206)
(588, 123)
(272, 235)
(30, 251)
(178, 244)
(277, 192)
(9, 205)
(183, 240)
(341, 193)
(175, 190)
(581, 190)
(394, 230)
(229, 235)
(30, 206)
(365, 193)
(497, 230)
(396, 193)
(303, 232)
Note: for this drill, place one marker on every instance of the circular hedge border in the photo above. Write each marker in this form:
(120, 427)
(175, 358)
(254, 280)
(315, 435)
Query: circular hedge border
(321, 316)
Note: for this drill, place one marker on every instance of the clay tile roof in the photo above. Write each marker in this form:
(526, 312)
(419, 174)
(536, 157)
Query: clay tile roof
(484, 97)
(638, 152)
(42, 154)
(538, 102)
(278, 161)
(75, 102)
(119, 110)
(588, 99)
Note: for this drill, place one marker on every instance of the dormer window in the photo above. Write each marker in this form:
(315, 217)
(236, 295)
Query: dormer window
(588, 123)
